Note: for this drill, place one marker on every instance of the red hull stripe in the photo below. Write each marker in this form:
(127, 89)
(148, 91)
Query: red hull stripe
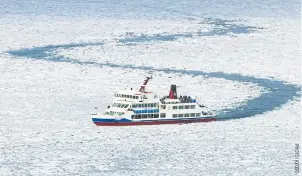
(153, 122)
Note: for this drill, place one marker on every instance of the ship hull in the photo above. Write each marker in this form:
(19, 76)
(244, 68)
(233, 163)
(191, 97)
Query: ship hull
(125, 122)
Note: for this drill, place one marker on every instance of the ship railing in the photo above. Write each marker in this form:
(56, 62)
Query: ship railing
(183, 99)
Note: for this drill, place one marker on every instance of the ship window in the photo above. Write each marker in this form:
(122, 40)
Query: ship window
(139, 105)
(162, 115)
(180, 115)
(154, 104)
(197, 114)
(136, 97)
(192, 115)
(134, 105)
(139, 116)
(132, 116)
(174, 107)
(155, 115)
(126, 105)
(144, 116)
(174, 115)
(163, 106)
(192, 107)
(181, 107)
(187, 115)
(127, 96)
(187, 106)
(130, 96)
(150, 115)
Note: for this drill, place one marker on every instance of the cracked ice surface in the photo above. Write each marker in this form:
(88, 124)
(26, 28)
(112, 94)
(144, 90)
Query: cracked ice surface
(45, 106)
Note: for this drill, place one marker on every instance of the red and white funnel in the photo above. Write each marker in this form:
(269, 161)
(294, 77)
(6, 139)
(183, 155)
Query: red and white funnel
(173, 93)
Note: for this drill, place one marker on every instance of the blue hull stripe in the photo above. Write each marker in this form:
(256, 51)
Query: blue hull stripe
(140, 120)
(110, 120)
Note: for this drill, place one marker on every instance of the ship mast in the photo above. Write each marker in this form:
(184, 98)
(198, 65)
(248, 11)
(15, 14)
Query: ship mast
(142, 89)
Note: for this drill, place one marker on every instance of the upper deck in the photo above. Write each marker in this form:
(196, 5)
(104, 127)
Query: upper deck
(135, 96)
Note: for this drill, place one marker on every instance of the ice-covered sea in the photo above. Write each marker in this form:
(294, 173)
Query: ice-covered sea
(60, 60)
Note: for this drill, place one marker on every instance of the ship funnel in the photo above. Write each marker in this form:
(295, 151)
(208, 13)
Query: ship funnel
(173, 93)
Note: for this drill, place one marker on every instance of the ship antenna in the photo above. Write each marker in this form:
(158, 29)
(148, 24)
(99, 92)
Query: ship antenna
(142, 89)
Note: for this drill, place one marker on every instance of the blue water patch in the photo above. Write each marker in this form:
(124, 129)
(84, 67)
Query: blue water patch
(221, 27)
(155, 38)
(47, 52)
(279, 92)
